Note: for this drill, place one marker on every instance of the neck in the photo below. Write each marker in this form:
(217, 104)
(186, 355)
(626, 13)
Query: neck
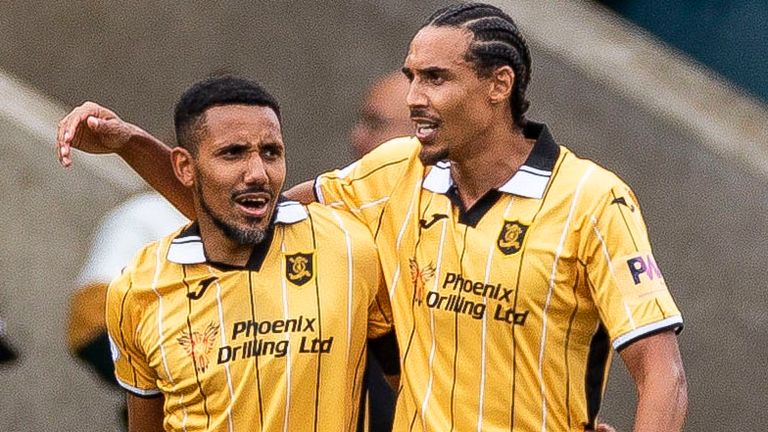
(496, 157)
(219, 247)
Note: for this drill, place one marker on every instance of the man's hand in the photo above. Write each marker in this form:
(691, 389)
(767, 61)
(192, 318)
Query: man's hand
(95, 129)
(92, 129)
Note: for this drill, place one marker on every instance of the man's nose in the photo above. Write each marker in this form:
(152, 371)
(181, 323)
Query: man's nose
(255, 171)
(416, 97)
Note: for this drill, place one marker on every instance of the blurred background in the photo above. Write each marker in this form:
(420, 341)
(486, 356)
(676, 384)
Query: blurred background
(668, 94)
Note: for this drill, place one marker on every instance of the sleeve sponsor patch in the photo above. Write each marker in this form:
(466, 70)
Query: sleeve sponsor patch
(638, 275)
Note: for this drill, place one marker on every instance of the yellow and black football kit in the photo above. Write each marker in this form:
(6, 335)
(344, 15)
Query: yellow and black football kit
(278, 345)
(505, 313)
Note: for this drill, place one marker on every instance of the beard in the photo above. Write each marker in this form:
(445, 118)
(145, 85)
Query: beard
(432, 157)
(249, 235)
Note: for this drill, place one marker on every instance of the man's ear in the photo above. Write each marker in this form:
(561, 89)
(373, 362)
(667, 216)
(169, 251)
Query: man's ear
(502, 81)
(183, 166)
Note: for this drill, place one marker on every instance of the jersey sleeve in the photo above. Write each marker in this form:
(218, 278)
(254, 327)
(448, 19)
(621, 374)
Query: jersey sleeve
(626, 282)
(364, 186)
(132, 371)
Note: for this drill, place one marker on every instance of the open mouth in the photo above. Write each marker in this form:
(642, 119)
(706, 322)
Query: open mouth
(254, 204)
(426, 130)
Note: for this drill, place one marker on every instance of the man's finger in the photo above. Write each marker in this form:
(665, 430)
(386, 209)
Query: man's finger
(68, 124)
(94, 123)
(64, 153)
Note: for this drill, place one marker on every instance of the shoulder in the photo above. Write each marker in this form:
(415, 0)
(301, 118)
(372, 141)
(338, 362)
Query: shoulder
(338, 233)
(588, 178)
(395, 154)
(335, 226)
(401, 147)
(333, 231)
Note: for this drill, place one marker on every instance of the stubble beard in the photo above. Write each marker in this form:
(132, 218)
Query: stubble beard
(242, 235)
(432, 157)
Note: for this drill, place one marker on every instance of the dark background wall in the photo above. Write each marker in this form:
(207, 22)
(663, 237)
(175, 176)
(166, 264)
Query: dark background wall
(706, 211)
(729, 36)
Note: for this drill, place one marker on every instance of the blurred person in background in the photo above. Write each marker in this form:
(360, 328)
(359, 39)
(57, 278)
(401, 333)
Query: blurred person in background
(127, 228)
(383, 114)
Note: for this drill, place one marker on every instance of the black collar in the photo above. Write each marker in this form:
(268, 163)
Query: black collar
(530, 180)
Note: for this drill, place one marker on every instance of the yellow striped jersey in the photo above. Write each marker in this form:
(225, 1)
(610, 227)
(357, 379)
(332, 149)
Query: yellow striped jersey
(278, 345)
(505, 313)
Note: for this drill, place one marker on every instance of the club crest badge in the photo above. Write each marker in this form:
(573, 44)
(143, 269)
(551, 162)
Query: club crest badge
(199, 344)
(299, 268)
(511, 237)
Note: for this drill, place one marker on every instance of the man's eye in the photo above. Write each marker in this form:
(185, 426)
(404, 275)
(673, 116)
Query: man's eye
(435, 79)
(232, 152)
(271, 152)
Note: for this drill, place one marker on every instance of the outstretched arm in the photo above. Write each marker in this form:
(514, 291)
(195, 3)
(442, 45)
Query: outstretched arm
(95, 129)
(655, 364)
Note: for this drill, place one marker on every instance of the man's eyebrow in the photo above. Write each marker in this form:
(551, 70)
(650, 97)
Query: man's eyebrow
(426, 70)
(433, 69)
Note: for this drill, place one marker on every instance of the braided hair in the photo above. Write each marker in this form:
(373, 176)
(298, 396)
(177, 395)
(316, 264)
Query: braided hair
(496, 42)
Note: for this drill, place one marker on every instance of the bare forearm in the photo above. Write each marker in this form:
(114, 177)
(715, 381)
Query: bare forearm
(151, 159)
(662, 403)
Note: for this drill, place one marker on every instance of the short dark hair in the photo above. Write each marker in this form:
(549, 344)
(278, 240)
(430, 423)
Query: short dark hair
(211, 92)
(496, 41)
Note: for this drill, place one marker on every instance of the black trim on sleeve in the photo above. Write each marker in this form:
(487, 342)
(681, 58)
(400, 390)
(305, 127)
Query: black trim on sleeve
(677, 327)
(386, 352)
(144, 396)
(314, 190)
